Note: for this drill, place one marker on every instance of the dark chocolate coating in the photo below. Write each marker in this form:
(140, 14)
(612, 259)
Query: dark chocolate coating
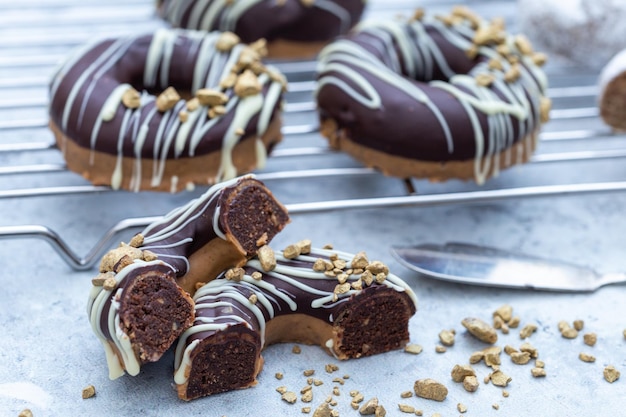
(432, 113)
(269, 19)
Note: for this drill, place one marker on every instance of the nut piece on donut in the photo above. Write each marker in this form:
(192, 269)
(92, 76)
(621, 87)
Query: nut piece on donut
(289, 28)
(140, 304)
(166, 111)
(291, 302)
(434, 97)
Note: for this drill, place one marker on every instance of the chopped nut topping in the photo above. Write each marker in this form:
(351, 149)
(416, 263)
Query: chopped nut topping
(167, 99)
(480, 329)
(367, 277)
(430, 389)
(413, 348)
(539, 58)
(256, 275)
(216, 111)
(545, 105)
(291, 252)
(192, 105)
(183, 116)
(266, 258)
(377, 267)
(136, 241)
(111, 260)
(418, 14)
(459, 372)
(466, 13)
(590, 339)
(523, 45)
(253, 298)
(488, 35)
(472, 52)
(89, 391)
(342, 288)
(447, 337)
(235, 274)
(228, 81)
(101, 278)
(357, 285)
(131, 98)
(227, 41)
(109, 284)
(512, 74)
(611, 374)
(585, 357)
(247, 84)
(304, 246)
(485, 80)
(359, 261)
(211, 98)
(538, 372)
(495, 64)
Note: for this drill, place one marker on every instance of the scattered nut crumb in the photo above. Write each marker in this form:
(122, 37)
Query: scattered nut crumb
(470, 383)
(331, 367)
(579, 324)
(296, 349)
(405, 408)
(278, 375)
(505, 393)
(505, 312)
(447, 337)
(282, 389)
(590, 339)
(480, 329)
(308, 372)
(322, 411)
(514, 322)
(440, 349)
(527, 347)
(520, 358)
(508, 349)
(89, 391)
(461, 407)
(539, 364)
(459, 372)
(430, 389)
(527, 331)
(567, 331)
(500, 379)
(235, 274)
(406, 394)
(611, 374)
(538, 372)
(291, 252)
(495, 406)
(413, 348)
(306, 410)
(25, 413)
(369, 407)
(585, 357)
(290, 397)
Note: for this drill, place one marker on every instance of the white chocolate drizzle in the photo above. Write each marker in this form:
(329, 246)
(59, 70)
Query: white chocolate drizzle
(229, 295)
(139, 127)
(348, 66)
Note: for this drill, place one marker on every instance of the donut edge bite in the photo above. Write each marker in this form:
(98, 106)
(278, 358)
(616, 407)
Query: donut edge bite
(223, 122)
(140, 301)
(344, 303)
(487, 117)
(293, 29)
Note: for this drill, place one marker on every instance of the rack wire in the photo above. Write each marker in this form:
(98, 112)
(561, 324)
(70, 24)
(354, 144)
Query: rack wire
(23, 68)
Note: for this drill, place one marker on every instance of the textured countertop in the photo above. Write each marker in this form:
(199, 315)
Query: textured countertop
(48, 353)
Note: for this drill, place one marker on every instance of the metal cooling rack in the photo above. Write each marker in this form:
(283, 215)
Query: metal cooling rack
(34, 25)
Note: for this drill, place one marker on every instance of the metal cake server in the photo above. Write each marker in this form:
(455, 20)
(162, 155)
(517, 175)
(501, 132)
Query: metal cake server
(479, 265)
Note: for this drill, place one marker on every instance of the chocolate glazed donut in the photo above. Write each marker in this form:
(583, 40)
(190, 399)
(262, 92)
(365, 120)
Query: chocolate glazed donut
(119, 119)
(139, 303)
(349, 306)
(292, 28)
(445, 97)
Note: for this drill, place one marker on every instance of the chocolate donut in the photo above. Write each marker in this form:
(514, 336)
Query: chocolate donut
(292, 28)
(119, 119)
(434, 97)
(140, 301)
(342, 302)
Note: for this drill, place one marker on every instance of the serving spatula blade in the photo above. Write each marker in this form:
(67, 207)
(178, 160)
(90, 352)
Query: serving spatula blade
(487, 266)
